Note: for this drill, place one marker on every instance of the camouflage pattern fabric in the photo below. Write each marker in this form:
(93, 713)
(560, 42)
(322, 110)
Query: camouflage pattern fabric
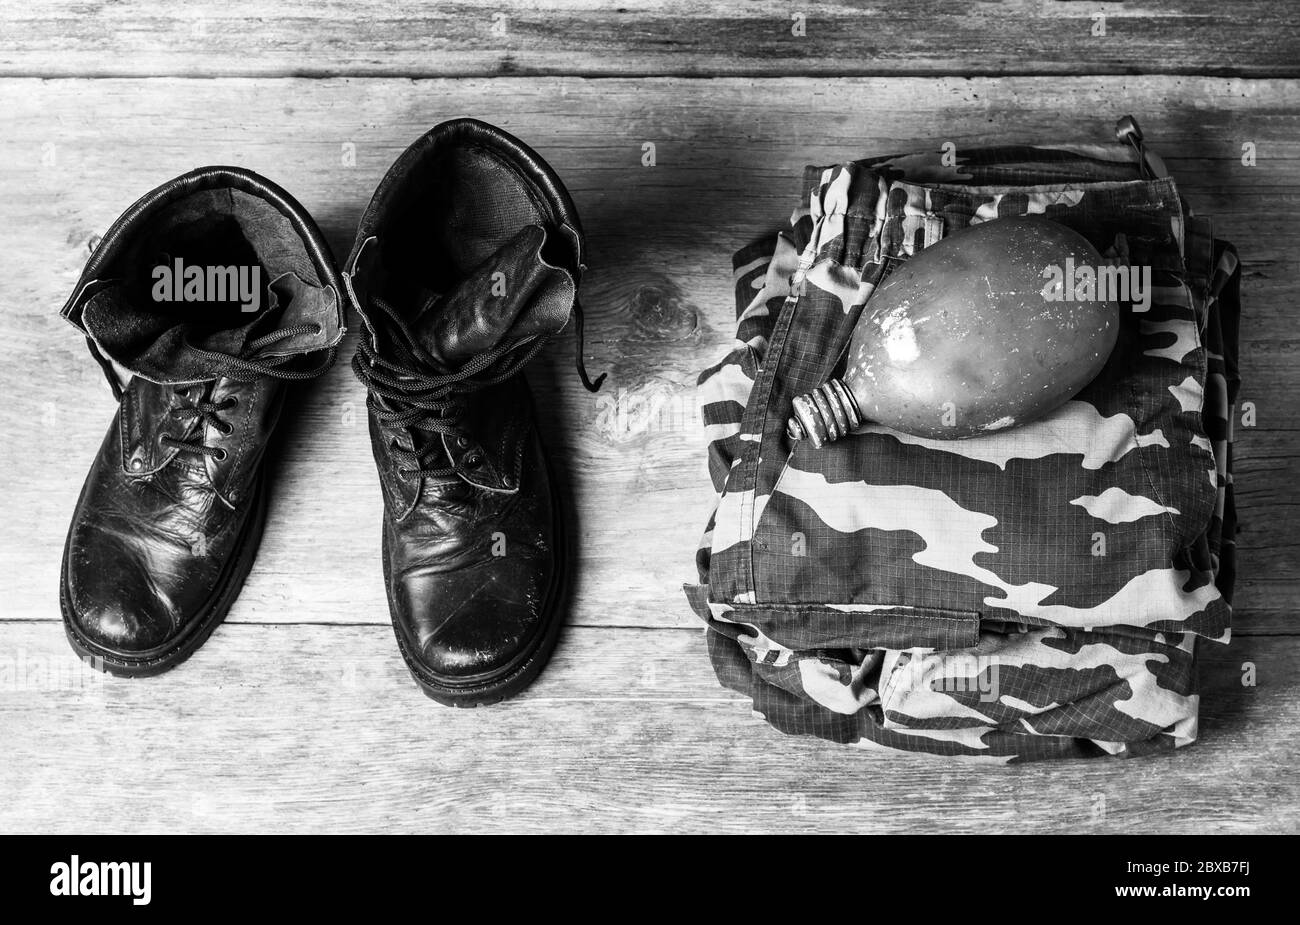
(1035, 593)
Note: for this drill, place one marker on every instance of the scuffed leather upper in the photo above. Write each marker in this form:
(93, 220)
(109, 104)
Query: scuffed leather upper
(155, 528)
(469, 568)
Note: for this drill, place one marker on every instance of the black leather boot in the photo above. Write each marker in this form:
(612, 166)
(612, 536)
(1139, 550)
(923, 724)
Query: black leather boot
(466, 262)
(209, 293)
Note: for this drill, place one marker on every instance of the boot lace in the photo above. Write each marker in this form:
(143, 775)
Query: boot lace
(415, 398)
(235, 367)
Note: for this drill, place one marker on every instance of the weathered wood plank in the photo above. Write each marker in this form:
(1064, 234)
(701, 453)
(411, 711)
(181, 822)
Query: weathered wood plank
(729, 153)
(581, 37)
(301, 728)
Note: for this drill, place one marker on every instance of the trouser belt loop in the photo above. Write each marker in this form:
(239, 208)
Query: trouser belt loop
(933, 229)
(1127, 129)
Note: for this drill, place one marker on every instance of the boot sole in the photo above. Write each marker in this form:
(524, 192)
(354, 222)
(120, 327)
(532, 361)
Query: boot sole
(169, 655)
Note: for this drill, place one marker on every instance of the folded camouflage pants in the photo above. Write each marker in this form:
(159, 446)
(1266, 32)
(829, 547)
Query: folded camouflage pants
(1035, 593)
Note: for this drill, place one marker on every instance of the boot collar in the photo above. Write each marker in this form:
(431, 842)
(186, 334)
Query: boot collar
(123, 334)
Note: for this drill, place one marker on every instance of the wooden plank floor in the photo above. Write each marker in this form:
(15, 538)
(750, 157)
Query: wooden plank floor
(298, 714)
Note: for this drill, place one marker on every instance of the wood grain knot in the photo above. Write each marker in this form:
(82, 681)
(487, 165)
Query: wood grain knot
(661, 314)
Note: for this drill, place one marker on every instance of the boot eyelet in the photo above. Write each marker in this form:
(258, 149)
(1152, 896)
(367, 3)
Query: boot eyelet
(463, 442)
(220, 455)
(226, 429)
(473, 461)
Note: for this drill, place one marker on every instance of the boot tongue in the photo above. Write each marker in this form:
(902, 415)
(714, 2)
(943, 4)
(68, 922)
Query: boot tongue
(514, 294)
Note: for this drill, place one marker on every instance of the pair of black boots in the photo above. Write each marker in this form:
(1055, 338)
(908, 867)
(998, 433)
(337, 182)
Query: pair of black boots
(217, 290)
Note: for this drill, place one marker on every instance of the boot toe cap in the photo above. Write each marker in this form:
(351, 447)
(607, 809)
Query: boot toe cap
(125, 629)
(469, 624)
(125, 601)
